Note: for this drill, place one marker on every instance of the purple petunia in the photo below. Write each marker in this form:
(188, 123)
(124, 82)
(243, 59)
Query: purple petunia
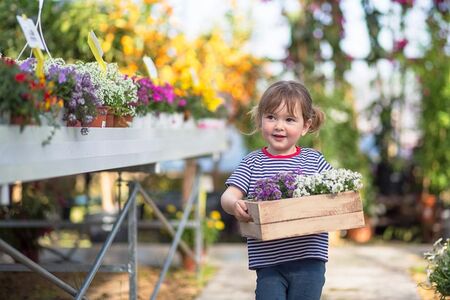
(281, 185)
(28, 65)
(266, 189)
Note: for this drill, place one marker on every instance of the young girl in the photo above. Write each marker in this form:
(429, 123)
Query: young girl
(290, 268)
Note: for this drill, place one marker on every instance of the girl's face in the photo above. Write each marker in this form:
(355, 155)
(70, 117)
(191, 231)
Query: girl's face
(282, 130)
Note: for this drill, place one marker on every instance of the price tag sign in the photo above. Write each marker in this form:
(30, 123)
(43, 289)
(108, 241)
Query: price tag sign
(151, 68)
(96, 49)
(31, 35)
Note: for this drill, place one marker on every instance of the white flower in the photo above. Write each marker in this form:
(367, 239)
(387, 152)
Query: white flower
(331, 181)
(115, 90)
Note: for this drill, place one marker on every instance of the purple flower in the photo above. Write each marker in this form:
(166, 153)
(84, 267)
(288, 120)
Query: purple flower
(266, 189)
(281, 185)
(28, 65)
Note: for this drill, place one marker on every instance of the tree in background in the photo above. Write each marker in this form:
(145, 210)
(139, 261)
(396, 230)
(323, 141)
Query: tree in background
(433, 154)
(431, 69)
(210, 70)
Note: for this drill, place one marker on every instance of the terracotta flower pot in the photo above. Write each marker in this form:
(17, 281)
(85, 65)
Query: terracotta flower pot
(109, 117)
(188, 263)
(361, 235)
(20, 120)
(122, 121)
(100, 119)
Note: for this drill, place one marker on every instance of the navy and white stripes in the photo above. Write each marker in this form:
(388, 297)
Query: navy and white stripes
(260, 164)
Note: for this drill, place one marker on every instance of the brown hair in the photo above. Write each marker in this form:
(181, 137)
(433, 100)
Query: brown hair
(290, 93)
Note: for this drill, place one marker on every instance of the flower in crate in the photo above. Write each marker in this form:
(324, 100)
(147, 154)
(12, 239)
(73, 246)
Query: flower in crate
(281, 185)
(328, 182)
(21, 93)
(294, 184)
(266, 189)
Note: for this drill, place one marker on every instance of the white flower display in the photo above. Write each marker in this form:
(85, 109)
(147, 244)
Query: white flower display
(116, 90)
(328, 182)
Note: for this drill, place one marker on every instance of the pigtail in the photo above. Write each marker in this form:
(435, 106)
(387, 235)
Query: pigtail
(255, 117)
(317, 118)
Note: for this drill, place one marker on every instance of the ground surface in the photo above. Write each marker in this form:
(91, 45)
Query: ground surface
(178, 285)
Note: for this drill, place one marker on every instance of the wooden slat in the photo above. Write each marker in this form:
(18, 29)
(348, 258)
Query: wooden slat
(265, 212)
(300, 227)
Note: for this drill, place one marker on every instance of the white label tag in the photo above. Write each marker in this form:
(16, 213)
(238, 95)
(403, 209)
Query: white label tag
(194, 76)
(151, 68)
(31, 35)
(96, 43)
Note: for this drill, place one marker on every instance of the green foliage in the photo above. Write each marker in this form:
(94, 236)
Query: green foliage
(65, 25)
(438, 268)
(10, 33)
(212, 224)
(434, 75)
(409, 234)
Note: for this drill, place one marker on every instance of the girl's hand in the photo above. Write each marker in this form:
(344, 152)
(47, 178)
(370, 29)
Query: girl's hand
(233, 204)
(240, 211)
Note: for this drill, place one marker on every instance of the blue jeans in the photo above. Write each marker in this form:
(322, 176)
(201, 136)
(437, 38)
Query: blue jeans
(295, 280)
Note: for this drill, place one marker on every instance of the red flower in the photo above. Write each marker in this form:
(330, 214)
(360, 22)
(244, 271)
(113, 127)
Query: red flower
(21, 77)
(400, 45)
(405, 2)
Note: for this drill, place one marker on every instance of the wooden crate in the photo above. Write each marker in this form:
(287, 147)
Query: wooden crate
(301, 216)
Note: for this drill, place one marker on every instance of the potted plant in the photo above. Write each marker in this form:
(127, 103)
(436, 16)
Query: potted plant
(117, 91)
(439, 267)
(21, 94)
(75, 90)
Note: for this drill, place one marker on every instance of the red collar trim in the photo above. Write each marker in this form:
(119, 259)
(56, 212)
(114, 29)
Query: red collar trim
(297, 152)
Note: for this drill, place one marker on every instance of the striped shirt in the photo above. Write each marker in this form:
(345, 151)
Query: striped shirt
(261, 164)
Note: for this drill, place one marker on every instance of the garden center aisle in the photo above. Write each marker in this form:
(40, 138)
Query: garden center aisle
(353, 273)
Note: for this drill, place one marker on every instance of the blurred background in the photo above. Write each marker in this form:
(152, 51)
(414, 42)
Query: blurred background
(379, 69)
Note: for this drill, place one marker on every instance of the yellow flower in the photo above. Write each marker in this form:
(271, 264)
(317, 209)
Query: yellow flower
(179, 215)
(171, 208)
(127, 44)
(120, 23)
(167, 75)
(215, 215)
(210, 224)
(219, 225)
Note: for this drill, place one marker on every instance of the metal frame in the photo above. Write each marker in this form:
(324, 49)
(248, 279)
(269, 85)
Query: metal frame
(129, 209)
